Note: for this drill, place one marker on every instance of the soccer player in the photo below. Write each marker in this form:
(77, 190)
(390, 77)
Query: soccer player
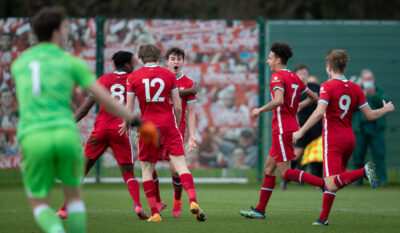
(175, 58)
(105, 133)
(154, 87)
(45, 76)
(285, 87)
(338, 99)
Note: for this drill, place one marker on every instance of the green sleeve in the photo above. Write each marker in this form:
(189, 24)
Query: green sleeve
(81, 73)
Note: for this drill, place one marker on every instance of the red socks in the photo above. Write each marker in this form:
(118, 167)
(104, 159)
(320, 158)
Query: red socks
(188, 185)
(327, 203)
(149, 190)
(133, 187)
(346, 178)
(303, 177)
(266, 191)
(157, 184)
(64, 207)
(176, 181)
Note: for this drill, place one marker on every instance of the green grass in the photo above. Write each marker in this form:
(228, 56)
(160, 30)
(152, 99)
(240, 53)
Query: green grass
(110, 209)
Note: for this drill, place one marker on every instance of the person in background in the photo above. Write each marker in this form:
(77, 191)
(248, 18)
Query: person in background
(370, 133)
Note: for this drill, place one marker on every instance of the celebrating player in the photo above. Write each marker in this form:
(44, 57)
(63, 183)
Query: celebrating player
(337, 101)
(45, 76)
(286, 88)
(105, 133)
(154, 87)
(187, 91)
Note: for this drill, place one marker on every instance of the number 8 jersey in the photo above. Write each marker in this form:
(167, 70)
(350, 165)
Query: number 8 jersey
(284, 117)
(115, 83)
(153, 85)
(342, 97)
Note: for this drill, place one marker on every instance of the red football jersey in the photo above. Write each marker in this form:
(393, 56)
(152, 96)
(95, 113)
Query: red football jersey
(153, 86)
(116, 84)
(284, 116)
(184, 82)
(342, 97)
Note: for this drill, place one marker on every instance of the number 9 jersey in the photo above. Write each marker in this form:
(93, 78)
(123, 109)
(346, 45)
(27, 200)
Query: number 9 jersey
(153, 85)
(342, 97)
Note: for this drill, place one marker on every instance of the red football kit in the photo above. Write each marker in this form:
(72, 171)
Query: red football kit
(284, 121)
(105, 133)
(184, 82)
(342, 97)
(153, 86)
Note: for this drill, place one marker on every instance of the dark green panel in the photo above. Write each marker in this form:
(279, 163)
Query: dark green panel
(370, 44)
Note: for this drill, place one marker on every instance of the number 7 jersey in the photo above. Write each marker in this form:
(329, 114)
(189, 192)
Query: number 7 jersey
(153, 85)
(284, 117)
(343, 98)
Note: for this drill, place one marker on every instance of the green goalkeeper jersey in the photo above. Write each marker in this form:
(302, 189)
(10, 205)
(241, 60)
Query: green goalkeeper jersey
(45, 76)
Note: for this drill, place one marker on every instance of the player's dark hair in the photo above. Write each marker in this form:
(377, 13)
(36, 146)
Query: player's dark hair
(121, 58)
(282, 50)
(300, 67)
(46, 21)
(175, 51)
(149, 53)
(337, 59)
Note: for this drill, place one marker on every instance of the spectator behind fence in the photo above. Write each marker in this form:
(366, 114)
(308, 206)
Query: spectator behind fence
(370, 132)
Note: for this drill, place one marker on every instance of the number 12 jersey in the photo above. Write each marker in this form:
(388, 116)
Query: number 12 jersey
(153, 86)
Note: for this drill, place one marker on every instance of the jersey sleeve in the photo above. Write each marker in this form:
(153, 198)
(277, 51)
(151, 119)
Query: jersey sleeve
(277, 82)
(130, 88)
(81, 73)
(303, 88)
(324, 95)
(362, 101)
(190, 98)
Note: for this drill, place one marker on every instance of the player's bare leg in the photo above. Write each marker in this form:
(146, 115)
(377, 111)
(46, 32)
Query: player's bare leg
(149, 190)
(133, 188)
(62, 212)
(176, 181)
(179, 162)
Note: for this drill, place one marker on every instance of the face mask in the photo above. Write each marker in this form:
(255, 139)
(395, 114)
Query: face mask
(368, 84)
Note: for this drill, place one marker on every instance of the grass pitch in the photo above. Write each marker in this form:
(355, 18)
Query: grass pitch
(110, 209)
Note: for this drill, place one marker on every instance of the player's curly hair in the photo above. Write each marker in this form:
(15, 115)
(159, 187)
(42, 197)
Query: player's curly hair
(47, 20)
(337, 59)
(149, 53)
(175, 51)
(121, 58)
(282, 50)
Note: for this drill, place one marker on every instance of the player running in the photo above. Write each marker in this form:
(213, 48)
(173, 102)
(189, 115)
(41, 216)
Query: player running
(154, 87)
(45, 76)
(175, 58)
(105, 133)
(338, 99)
(285, 87)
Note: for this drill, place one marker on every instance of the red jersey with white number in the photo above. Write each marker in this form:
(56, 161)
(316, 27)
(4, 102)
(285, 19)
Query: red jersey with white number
(184, 82)
(284, 116)
(343, 97)
(115, 83)
(153, 86)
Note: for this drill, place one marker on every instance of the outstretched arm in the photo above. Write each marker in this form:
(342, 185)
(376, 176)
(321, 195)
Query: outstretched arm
(84, 109)
(311, 98)
(190, 91)
(312, 120)
(275, 102)
(372, 115)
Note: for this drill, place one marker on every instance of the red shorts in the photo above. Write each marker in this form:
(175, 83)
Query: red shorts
(171, 143)
(98, 142)
(336, 157)
(164, 155)
(282, 147)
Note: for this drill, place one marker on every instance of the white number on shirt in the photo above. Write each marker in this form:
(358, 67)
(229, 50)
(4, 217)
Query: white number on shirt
(344, 104)
(294, 86)
(35, 68)
(147, 85)
(119, 93)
